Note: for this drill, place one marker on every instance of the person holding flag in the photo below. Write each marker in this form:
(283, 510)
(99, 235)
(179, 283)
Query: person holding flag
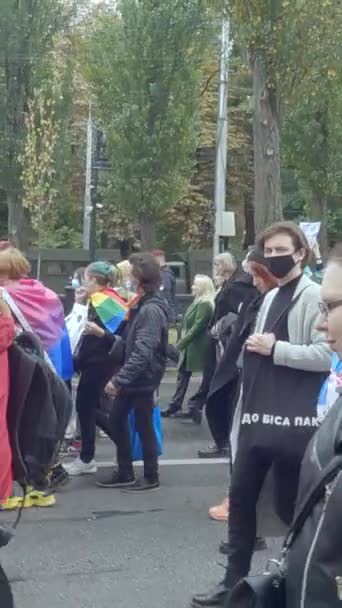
(107, 312)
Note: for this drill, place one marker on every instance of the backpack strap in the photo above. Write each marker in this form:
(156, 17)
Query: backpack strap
(311, 499)
(16, 312)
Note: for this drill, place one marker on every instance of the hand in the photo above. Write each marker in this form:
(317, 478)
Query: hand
(91, 329)
(261, 343)
(80, 295)
(4, 309)
(111, 390)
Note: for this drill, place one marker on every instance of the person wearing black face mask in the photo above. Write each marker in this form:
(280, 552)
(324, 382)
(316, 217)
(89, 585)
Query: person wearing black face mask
(285, 362)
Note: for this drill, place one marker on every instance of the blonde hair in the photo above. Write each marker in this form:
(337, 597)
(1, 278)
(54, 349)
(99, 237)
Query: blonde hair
(228, 262)
(13, 264)
(206, 288)
(125, 270)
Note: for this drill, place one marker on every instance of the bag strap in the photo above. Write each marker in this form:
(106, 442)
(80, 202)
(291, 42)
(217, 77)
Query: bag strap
(311, 499)
(286, 311)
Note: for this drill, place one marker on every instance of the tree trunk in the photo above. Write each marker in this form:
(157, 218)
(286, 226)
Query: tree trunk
(319, 213)
(267, 192)
(148, 233)
(18, 226)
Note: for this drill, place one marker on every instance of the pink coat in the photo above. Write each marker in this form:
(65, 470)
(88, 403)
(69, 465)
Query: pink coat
(6, 339)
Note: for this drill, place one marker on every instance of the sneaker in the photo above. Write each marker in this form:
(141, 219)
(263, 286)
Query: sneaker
(220, 512)
(115, 479)
(34, 498)
(143, 484)
(11, 503)
(58, 477)
(78, 467)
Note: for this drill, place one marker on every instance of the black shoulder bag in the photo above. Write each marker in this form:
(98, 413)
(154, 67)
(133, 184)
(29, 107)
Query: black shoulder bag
(268, 590)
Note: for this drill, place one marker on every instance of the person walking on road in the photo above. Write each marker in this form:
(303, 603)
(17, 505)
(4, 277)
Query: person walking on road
(285, 362)
(194, 341)
(229, 366)
(133, 387)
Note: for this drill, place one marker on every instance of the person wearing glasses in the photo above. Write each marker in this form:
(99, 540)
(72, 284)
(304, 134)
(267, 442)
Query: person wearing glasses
(285, 362)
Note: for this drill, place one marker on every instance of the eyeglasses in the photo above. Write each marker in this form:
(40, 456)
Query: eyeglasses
(327, 307)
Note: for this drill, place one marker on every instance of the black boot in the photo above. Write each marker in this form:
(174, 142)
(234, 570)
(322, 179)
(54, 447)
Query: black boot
(214, 451)
(170, 412)
(215, 597)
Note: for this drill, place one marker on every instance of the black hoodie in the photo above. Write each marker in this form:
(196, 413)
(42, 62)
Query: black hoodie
(145, 346)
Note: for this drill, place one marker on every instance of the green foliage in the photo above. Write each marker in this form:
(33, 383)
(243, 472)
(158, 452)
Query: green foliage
(27, 31)
(144, 62)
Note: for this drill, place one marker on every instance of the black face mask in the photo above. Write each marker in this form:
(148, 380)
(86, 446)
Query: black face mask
(281, 265)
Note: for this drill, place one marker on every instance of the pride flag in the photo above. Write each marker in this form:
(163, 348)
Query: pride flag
(43, 311)
(110, 308)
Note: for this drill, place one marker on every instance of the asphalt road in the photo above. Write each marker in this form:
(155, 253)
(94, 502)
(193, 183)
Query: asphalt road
(100, 548)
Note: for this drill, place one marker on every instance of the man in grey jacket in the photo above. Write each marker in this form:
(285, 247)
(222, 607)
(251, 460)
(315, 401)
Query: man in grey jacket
(285, 362)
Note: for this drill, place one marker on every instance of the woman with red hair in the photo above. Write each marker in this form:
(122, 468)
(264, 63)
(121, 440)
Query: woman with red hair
(263, 281)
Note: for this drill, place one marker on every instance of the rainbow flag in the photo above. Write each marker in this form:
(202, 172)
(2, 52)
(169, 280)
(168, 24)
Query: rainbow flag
(110, 308)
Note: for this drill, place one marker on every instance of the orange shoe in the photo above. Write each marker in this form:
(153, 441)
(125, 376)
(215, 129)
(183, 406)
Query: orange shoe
(220, 512)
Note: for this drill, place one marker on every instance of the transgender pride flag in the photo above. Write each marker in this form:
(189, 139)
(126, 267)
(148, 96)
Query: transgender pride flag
(43, 311)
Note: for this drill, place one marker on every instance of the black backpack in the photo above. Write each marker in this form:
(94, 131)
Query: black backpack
(39, 410)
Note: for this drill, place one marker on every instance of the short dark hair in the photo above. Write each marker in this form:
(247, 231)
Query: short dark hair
(145, 269)
(292, 230)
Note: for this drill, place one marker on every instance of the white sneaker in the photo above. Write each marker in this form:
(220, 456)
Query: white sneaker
(78, 467)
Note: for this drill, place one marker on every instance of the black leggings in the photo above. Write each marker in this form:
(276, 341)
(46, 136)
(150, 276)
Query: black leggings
(219, 411)
(250, 470)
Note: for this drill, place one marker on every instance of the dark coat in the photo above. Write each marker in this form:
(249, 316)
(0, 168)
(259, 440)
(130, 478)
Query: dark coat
(194, 343)
(227, 367)
(145, 346)
(237, 290)
(314, 563)
(168, 291)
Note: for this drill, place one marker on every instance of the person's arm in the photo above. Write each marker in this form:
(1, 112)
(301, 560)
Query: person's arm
(203, 315)
(148, 336)
(314, 357)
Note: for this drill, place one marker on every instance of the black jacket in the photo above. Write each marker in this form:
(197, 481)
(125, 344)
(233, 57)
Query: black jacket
(237, 290)
(145, 346)
(93, 351)
(315, 560)
(227, 367)
(168, 291)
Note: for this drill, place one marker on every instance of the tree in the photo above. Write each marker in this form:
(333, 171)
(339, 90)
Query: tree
(27, 30)
(283, 61)
(144, 62)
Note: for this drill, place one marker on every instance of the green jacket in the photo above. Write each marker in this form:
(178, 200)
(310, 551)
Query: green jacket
(194, 342)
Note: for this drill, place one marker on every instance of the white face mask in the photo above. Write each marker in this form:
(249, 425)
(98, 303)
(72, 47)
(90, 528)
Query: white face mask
(75, 283)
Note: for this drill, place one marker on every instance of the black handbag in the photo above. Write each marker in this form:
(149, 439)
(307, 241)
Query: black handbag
(268, 590)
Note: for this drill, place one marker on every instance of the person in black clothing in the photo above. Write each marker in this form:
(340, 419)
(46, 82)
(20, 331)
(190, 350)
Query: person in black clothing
(167, 284)
(229, 366)
(284, 364)
(237, 288)
(134, 385)
(93, 363)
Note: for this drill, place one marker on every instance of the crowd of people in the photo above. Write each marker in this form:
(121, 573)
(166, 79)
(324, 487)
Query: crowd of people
(262, 337)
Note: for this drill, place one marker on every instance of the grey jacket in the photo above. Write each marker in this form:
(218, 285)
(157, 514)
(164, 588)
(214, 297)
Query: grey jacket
(306, 349)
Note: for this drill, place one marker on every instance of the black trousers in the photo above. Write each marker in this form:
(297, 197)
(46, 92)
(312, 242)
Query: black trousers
(89, 391)
(118, 430)
(183, 379)
(197, 401)
(219, 411)
(249, 473)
